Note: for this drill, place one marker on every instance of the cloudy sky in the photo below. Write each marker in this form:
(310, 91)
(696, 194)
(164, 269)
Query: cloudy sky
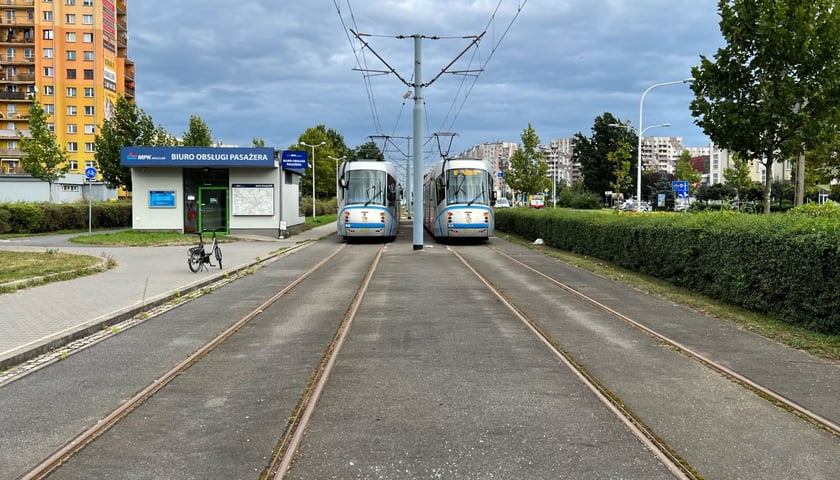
(273, 68)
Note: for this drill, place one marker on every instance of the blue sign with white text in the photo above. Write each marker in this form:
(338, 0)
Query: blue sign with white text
(196, 157)
(294, 159)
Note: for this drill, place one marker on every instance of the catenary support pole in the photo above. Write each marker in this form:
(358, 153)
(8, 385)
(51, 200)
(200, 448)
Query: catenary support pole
(418, 145)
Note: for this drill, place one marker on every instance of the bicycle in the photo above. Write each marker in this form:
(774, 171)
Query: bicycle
(198, 258)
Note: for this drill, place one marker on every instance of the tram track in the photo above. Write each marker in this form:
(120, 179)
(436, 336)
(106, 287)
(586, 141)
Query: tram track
(54, 462)
(657, 441)
(677, 465)
(761, 390)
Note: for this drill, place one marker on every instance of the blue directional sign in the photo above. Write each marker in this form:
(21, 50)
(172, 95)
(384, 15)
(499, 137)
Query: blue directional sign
(90, 173)
(681, 187)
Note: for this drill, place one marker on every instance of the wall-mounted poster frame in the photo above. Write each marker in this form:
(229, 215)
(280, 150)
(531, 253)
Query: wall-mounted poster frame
(161, 198)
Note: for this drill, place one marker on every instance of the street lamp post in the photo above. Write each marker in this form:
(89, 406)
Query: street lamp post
(642, 132)
(639, 153)
(313, 171)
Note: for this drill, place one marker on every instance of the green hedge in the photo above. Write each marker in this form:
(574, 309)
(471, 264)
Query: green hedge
(20, 217)
(784, 265)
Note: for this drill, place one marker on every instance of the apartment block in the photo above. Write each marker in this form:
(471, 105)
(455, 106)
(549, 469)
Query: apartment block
(70, 55)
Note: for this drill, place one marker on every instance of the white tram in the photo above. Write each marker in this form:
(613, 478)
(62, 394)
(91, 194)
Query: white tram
(368, 199)
(458, 199)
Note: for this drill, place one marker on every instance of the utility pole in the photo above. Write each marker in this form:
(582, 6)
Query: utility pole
(417, 132)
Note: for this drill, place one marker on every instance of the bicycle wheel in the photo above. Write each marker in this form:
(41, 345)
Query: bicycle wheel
(194, 261)
(218, 252)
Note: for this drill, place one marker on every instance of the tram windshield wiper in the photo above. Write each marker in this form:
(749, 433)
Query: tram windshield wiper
(479, 194)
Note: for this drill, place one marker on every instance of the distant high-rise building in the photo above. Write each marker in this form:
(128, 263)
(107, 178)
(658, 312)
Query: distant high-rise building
(70, 55)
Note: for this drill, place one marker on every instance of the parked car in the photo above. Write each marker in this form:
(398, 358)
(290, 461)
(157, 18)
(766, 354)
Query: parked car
(502, 203)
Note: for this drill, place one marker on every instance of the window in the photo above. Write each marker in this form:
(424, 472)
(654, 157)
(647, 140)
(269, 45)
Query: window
(90, 147)
(88, 74)
(89, 164)
(49, 90)
(88, 56)
(71, 110)
(48, 15)
(89, 110)
(12, 144)
(90, 129)
(72, 128)
(10, 53)
(48, 34)
(71, 54)
(70, 2)
(87, 3)
(29, 53)
(71, 91)
(72, 146)
(10, 16)
(69, 188)
(87, 19)
(87, 37)
(48, 53)
(49, 72)
(70, 18)
(88, 92)
(71, 73)
(70, 36)
(74, 165)
(49, 108)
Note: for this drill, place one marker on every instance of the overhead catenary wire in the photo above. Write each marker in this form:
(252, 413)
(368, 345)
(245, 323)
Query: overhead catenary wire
(464, 88)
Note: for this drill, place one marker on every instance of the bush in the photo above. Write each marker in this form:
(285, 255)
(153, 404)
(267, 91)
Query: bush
(22, 217)
(784, 265)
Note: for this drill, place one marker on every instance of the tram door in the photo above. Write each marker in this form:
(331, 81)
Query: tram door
(213, 208)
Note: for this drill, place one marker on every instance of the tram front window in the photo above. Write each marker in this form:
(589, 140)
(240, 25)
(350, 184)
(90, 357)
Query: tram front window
(365, 187)
(467, 185)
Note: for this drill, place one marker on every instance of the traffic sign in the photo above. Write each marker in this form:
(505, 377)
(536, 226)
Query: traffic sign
(679, 185)
(90, 173)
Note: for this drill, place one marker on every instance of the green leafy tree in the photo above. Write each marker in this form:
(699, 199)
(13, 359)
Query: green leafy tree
(368, 151)
(44, 159)
(258, 142)
(324, 166)
(129, 126)
(198, 134)
(622, 160)
(773, 89)
(528, 169)
(684, 171)
(599, 173)
(738, 175)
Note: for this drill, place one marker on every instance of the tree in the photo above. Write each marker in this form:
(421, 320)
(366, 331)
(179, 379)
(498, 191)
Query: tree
(198, 134)
(258, 142)
(683, 170)
(772, 90)
(129, 126)
(621, 158)
(738, 175)
(368, 151)
(44, 158)
(593, 152)
(528, 170)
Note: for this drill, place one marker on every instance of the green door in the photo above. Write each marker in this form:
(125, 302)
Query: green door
(213, 208)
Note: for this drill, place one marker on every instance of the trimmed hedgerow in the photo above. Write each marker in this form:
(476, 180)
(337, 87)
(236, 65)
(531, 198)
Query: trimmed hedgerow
(21, 217)
(784, 265)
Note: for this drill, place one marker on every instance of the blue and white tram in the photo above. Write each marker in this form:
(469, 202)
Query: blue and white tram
(368, 199)
(458, 199)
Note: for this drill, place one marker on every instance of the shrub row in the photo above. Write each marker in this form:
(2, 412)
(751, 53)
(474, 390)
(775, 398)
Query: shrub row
(20, 217)
(783, 265)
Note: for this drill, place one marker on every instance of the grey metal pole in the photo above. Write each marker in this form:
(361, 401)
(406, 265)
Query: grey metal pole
(418, 145)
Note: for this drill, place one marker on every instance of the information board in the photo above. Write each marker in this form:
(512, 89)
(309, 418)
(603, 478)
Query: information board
(252, 199)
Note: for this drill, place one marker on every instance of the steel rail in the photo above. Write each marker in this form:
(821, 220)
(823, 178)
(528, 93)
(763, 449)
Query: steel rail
(285, 453)
(678, 466)
(89, 435)
(760, 390)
